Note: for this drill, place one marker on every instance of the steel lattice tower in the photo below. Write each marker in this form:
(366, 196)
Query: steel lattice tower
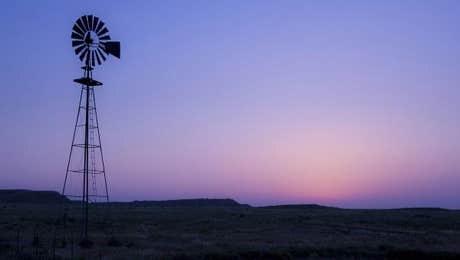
(86, 141)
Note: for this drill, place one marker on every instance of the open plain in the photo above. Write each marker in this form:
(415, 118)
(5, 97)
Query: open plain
(228, 230)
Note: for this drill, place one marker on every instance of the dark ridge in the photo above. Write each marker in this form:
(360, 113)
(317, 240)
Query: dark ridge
(30, 196)
(424, 209)
(184, 203)
(316, 206)
(48, 197)
(299, 206)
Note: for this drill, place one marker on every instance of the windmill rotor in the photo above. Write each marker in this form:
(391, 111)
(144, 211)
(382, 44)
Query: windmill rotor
(91, 41)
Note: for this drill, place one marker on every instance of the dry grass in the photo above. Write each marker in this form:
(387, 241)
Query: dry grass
(27, 231)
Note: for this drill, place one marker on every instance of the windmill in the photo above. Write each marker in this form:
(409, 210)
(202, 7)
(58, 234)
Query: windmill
(85, 175)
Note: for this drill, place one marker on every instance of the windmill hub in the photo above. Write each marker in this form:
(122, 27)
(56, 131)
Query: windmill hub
(91, 40)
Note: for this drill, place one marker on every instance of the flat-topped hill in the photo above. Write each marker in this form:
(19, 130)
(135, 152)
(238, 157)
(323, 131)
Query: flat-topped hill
(299, 206)
(30, 196)
(187, 203)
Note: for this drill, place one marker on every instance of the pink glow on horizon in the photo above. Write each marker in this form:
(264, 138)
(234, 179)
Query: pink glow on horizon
(330, 163)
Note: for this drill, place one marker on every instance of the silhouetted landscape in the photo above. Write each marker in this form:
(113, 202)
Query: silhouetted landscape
(225, 229)
(282, 129)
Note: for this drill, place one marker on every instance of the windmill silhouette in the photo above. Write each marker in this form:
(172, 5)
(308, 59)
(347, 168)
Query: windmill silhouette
(85, 178)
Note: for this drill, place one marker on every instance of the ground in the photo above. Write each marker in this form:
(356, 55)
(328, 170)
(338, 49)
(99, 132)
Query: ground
(150, 232)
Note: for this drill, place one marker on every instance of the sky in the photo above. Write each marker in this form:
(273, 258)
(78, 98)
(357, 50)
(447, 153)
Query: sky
(344, 103)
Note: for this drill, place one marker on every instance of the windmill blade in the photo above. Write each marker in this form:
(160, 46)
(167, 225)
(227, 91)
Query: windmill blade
(85, 22)
(99, 26)
(113, 48)
(95, 22)
(90, 22)
(76, 36)
(82, 55)
(105, 38)
(104, 31)
(97, 58)
(101, 53)
(80, 23)
(78, 30)
(79, 49)
(77, 43)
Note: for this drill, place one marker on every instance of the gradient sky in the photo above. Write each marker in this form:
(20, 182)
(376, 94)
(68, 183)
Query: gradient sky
(345, 103)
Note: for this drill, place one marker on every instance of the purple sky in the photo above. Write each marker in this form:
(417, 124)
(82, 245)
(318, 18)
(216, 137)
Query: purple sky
(345, 103)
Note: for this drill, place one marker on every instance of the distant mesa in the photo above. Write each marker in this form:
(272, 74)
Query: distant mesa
(299, 206)
(49, 197)
(188, 203)
(30, 196)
